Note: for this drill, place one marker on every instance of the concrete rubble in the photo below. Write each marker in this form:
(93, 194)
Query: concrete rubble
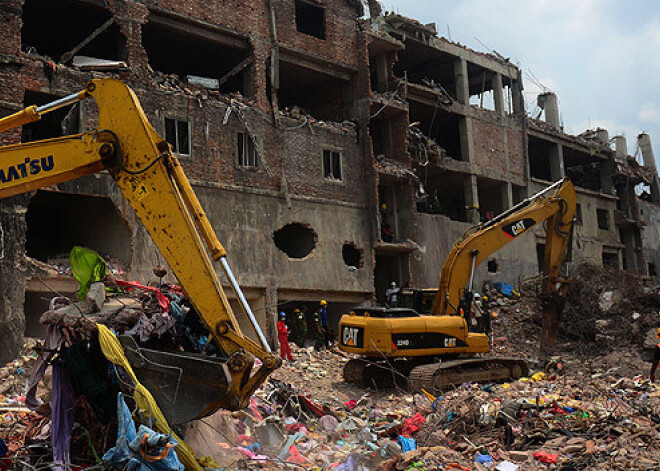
(591, 408)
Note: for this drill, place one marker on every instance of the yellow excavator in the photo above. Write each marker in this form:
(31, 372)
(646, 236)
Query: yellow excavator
(440, 349)
(150, 177)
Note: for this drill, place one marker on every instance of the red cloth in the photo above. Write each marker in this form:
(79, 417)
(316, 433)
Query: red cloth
(544, 457)
(413, 424)
(282, 336)
(351, 404)
(163, 301)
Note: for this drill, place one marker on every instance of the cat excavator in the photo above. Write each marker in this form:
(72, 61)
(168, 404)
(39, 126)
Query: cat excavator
(150, 177)
(442, 348)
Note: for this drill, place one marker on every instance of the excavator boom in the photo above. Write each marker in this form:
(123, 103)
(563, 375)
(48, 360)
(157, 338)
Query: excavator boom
(151, 179)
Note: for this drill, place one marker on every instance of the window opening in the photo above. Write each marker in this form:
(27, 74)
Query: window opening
(652, 270)
(177, 133)
(578, 214)
(492, 266)
(611, 260)
(603, 218)
(332, 165)
(247, 151)
(310, 19)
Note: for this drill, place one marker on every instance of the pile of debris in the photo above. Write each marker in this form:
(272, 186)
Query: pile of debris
(576, 417)
(583, 411)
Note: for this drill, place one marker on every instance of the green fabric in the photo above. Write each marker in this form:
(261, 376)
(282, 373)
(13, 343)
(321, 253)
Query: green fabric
(87, 267)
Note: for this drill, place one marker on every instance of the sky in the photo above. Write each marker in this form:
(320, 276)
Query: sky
(601, 57)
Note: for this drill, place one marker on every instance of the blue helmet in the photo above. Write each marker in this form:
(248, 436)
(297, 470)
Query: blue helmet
(282, 314)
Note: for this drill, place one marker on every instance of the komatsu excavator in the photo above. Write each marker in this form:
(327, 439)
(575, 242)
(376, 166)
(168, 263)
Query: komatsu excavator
(151, 179)
(440, 349)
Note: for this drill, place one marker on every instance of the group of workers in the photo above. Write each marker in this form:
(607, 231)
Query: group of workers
(295, 327)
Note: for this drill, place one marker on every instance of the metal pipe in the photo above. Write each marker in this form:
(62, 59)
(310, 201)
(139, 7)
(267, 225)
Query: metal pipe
(244, 303)
(474, 267)
(61, 103)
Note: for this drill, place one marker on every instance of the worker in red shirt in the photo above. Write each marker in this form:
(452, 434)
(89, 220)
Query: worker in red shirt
(656, 357)
(283, 337)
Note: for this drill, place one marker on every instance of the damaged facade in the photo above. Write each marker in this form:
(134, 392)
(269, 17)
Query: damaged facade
(332, 154)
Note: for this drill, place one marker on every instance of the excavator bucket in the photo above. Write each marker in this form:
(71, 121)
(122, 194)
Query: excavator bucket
(186, 386)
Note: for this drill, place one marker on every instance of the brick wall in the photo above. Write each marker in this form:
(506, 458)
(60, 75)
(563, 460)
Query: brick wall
(516, 152)
(341, 39)
(489, 147)
(302, 160)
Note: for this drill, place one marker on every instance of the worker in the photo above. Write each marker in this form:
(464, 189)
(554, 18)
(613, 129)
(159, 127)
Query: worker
(327, 333)
(392, 295)
(656, 357)
(283, 337)
(319, 332)
(301, 326)
(292, 325)
(386, 233)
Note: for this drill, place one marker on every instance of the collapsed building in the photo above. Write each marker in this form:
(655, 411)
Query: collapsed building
(333, 153)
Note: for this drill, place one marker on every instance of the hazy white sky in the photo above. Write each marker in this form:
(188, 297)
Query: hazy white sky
(601, 57)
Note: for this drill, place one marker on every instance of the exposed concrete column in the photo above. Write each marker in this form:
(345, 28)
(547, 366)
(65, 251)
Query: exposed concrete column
(517, 98)
(462, 83)
(621, 147)
(548, 101)
(603, 136)
(607, 172)
(644, 142)
(557, 163)
(381, 73)
(471, 190)
(628, 240)
(507, 195)
(498, 94)
(466, 137)
(607, 169)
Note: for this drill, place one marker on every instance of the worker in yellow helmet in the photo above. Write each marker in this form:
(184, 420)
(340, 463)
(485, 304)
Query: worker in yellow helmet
(656, 357)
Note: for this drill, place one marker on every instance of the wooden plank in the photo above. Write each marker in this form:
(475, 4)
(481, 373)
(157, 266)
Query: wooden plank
(236, 70)
(66, 57)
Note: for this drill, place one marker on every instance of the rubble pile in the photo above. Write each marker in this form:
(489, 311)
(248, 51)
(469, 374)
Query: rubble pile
(591, 409)
(574, 418)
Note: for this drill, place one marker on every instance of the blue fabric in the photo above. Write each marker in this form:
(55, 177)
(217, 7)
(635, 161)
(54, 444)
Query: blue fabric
(407, 443)
(129, 452)
(3, 448)
(507, 289)
(176, 310)
(482, 459)
(324, 317)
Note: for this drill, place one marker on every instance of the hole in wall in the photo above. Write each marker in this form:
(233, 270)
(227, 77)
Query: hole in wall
(492, 266)
(295, 239)
(352, 255)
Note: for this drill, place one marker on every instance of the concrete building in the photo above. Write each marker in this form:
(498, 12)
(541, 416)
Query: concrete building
(334, 153)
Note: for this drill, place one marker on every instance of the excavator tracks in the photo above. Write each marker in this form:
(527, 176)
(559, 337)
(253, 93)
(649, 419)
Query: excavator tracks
(354, 370)
(438, 376)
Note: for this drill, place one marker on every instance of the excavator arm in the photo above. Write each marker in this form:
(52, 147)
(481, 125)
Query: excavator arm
(457, 276)
(151, 179)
